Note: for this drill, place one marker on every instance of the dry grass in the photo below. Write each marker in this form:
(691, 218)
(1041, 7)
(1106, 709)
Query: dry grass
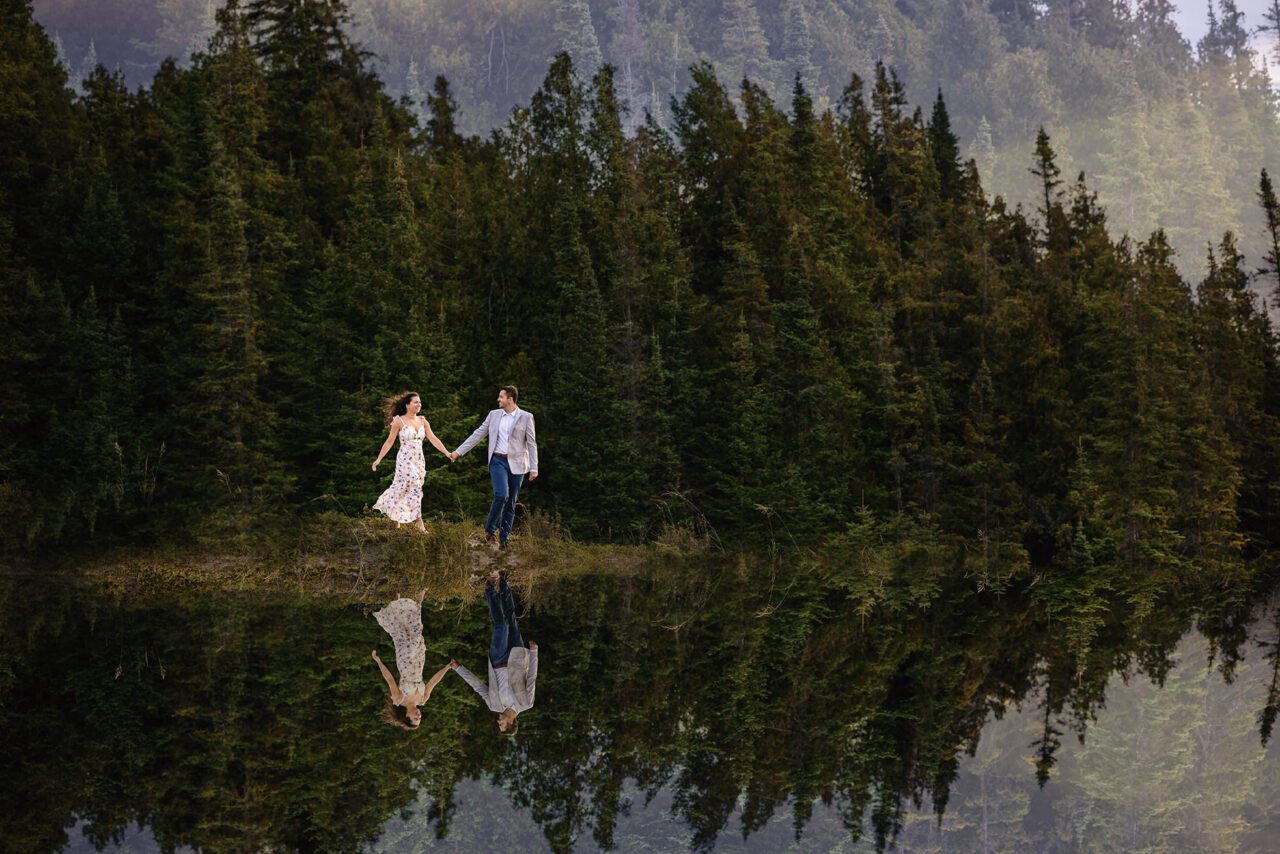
(338, 557)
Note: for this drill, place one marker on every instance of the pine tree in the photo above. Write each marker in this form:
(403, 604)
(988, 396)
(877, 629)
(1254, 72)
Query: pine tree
(1187, 153)
(621, 236)
(299, 40)
(184, 30)
(1149, 410)
(711, 146)
(744, 49)
(1046, 169)
(797, 45)
(576, 35)
(441, 128)
(60, 52)
(311, 64)
(1231, 30)
(237, 419)
(902, 173)
(883, 43)
(983, 151)
(1126, 177)
(857, 137)
(414, 92)
(596, 483)
(1271, 212)
(1271, 15)
(1239, 351)
(241, 242)
(738, 475)
(628, 53)
(673, 376)
(946, 149)
(88, 64)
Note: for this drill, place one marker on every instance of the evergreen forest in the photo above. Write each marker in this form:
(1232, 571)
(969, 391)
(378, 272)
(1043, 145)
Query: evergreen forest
(1173, 128)
(787, 314)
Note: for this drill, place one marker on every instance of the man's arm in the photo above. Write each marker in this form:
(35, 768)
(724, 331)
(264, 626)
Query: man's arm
(480, 433)
(471, 679)
(531, 442)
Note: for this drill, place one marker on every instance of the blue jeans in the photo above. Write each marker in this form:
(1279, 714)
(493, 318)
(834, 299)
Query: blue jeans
(506, 486)
(506, 631)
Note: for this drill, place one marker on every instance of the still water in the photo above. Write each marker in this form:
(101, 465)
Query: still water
(725, 710)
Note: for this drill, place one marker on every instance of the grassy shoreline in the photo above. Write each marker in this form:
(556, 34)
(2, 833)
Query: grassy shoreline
(334, 556)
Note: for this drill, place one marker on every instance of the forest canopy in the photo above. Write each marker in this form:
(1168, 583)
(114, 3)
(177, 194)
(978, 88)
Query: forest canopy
(776, 321)
(1171, 131)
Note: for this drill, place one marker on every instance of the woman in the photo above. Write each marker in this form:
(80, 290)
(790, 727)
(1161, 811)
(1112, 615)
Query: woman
(402, 619)
(403, 499)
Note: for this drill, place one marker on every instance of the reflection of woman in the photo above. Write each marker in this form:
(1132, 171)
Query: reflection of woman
(402, 619)
(403, 499)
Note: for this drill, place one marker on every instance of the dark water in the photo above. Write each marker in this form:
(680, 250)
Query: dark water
(729, 709)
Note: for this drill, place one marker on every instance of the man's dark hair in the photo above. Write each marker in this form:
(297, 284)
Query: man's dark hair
(512, 392)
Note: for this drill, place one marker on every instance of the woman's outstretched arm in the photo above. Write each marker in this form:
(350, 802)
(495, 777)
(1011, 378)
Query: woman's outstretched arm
(435, 680)
(435, 443)
(386, 675)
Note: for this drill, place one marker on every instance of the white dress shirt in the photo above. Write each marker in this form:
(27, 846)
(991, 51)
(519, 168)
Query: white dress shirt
(506, 697)
(505, 425)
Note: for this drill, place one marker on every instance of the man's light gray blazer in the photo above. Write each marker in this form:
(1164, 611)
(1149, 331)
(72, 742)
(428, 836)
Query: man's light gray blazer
(522, 673)
(522, 447)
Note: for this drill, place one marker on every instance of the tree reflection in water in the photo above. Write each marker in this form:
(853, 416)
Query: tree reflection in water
(721, 698)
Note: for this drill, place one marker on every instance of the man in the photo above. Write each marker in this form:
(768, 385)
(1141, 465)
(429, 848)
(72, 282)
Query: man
(513, 452)
(513, 670)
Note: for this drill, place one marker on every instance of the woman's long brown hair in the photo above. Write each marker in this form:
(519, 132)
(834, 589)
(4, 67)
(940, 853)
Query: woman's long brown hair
(397, 404)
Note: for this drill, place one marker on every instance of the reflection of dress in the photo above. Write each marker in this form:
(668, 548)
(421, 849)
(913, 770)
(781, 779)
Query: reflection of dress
(402, 619)
(403, 499)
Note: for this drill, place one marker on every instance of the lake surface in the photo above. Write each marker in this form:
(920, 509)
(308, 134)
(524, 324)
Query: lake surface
(733, 709)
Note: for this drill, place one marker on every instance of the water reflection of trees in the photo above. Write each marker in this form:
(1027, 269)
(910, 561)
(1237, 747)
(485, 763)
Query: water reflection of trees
(234, 725)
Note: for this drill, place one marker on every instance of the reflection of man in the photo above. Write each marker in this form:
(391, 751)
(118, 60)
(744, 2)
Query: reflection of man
(513, 453)
(513, 670)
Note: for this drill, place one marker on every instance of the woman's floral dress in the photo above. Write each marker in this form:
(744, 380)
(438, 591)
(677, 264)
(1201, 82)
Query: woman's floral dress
(403, 499)
(402, 619)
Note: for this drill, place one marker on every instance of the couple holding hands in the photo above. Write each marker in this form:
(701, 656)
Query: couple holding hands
(513, 669)
(513, 453)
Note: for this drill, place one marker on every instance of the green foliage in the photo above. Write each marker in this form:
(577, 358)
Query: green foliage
(1170, 129)
(682, 704)
(761, 326)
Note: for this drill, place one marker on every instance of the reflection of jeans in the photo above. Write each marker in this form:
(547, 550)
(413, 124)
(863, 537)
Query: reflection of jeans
(506, 486)
(506, 631)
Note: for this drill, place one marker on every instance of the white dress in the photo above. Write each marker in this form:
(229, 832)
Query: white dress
(403, 499)
(402, 619)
